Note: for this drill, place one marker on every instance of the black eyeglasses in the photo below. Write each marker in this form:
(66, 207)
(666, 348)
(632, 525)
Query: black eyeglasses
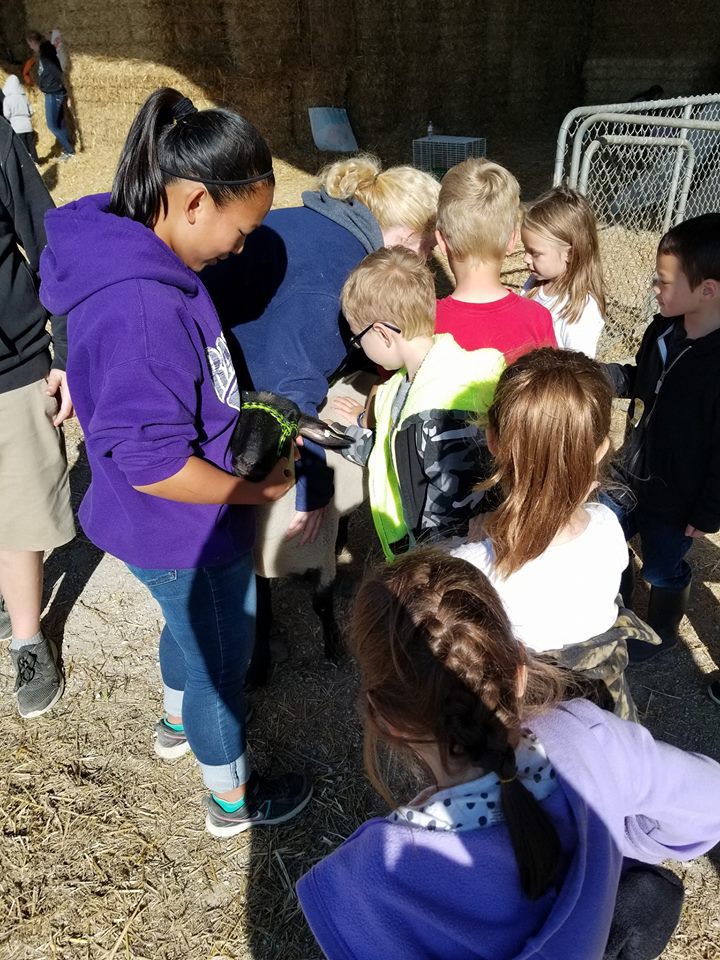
(354, 341)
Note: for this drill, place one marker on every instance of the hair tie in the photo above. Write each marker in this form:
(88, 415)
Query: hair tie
(218, 183)
(183, 109)
(509, 779)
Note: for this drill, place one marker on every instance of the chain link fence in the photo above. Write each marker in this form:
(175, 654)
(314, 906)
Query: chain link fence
(643, 167)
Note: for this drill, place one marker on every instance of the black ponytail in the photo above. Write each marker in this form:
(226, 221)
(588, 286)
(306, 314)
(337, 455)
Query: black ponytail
(169, 139)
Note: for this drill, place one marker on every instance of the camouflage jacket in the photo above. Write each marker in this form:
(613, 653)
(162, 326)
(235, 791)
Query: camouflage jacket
(440, 456)
(599, 663)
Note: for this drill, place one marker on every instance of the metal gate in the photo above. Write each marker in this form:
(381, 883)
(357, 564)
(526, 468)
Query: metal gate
(643, 167)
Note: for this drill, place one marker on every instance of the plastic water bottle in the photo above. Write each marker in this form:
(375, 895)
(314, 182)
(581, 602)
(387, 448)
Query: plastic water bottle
(430, 130)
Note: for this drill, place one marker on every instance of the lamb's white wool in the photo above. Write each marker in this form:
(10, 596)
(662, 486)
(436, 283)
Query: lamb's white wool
(277, 557)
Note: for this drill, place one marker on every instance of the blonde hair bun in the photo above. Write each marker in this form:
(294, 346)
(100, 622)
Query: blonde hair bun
(345, 178)
(397, 197)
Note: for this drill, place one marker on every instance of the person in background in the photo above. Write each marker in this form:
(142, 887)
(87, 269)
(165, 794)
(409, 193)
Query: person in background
(17, 110)
(52, 86)
(477, 226)
(562, 252)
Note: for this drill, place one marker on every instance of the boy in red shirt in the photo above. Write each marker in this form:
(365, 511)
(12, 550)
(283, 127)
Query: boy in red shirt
(477, 222)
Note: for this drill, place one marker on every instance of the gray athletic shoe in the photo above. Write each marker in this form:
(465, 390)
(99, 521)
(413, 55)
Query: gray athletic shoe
(5, 625)
(267, 802)
(170, 744)
(39, 682)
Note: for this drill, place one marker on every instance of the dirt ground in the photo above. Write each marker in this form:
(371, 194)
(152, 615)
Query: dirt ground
(103, 853)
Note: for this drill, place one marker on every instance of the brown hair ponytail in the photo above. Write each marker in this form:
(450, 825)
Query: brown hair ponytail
(550, 415)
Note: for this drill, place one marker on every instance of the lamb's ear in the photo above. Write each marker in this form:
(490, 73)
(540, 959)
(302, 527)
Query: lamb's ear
(322, 433)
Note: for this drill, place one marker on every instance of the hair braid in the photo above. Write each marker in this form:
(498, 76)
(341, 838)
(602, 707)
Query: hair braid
(439, 663)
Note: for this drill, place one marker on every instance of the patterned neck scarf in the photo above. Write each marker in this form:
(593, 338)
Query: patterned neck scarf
(477, 803)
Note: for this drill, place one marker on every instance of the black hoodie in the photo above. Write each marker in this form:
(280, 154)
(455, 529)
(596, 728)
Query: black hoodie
(671, 455)
(24, 339)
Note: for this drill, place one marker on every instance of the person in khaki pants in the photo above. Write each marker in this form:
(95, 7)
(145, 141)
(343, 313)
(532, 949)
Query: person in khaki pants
(34, 492)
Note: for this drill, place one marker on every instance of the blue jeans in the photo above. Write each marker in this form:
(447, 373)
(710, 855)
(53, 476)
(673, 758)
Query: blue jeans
(664, 545)
(55, 119)
(205, 650)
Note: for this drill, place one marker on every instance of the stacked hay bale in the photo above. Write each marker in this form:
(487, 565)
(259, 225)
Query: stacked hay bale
(395, 66)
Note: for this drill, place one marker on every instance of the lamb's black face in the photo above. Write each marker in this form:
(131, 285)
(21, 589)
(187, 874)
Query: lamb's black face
(266, 431)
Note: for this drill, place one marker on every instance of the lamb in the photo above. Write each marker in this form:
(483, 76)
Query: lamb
(277, 557)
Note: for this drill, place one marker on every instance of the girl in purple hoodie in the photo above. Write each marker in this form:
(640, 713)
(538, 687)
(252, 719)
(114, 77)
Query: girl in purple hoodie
(518, 847)
(157, 397)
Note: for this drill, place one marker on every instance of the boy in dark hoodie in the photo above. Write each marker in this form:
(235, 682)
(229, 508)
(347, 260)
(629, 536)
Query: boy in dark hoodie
(34, 491)
(671, 456)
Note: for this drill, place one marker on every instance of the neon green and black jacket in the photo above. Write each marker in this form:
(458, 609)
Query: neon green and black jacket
(429, 447)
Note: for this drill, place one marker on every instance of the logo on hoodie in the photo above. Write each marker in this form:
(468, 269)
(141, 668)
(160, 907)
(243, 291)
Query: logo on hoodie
(223, 374)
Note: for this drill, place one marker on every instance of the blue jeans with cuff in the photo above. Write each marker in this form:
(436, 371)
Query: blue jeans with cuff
(205, 649)
(664, 545)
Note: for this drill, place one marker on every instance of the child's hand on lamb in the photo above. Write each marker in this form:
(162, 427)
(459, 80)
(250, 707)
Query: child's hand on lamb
(347, 410)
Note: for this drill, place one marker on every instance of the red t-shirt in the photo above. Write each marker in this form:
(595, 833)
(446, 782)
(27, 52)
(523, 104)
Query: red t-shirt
(513, 325)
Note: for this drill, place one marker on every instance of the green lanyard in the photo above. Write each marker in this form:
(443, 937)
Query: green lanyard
(288, 430)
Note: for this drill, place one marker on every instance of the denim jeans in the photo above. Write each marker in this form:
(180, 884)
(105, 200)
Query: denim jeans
(205, 650)
(55, 119)
(664, 545)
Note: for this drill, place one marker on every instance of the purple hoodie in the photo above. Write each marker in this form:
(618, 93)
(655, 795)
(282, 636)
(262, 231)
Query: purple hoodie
(152, 383)
(396, 890)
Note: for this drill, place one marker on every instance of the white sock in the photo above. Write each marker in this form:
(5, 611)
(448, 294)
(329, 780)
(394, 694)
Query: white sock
(16, 643)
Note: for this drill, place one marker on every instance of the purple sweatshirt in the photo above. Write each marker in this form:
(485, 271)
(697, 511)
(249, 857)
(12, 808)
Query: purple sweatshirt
(152, 383)
(395, 890)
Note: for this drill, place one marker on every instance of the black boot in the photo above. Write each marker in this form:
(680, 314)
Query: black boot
(627, 584)
(665, 611)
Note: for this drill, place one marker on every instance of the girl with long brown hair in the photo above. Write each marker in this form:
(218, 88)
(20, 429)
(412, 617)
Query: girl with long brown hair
(562, 252)
(555, 557)
(515, 847)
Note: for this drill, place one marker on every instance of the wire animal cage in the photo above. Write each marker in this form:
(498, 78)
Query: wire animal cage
(436, 154)
(643, 167)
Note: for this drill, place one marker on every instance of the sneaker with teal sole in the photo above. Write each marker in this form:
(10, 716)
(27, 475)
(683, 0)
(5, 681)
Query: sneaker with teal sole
(170, 744)
(268, 801)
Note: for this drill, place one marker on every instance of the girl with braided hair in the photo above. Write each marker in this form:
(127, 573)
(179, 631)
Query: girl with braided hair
(517, 846)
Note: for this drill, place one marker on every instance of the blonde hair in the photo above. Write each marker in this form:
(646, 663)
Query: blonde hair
(550, 416)
(391, 285)
(397, 197)
(563, 216)
(478, 210)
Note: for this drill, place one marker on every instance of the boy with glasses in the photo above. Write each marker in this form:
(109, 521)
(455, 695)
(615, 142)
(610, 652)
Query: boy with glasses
(423, 451)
